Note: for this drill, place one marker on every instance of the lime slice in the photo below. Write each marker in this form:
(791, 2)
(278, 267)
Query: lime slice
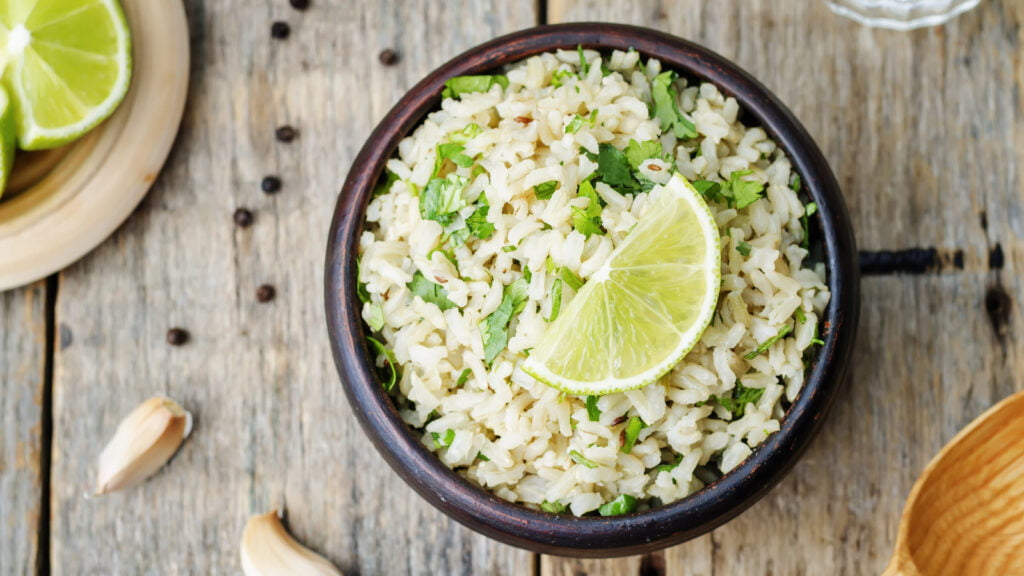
(6, 139)
(66, 65)
(640, 314)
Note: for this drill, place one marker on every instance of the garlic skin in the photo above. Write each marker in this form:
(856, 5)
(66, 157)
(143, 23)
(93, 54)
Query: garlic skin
(145, 440)
(269, 550)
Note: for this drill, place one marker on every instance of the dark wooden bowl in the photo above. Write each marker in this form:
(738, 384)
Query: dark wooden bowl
(717, 503)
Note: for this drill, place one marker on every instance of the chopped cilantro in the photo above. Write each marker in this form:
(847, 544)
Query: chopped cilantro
(580, 459)
(384, 186)
(570, 278)
(637, 152)
(442, 198)
(587, 220)
(375, 317)
(477, 222)
(613, 169)
(494, 328)
(708, 189)
(741, 396)
(482, 457)
(508, 248)
(463, 378)
(555, 507)
(584, 65)
(743, 193)
(670, 467)
(451, 151)
(743, 248)
(456, 87)
(624, 504)
(559, 75)
(800, 316)
(817, 341)
(764, 346)
(809, 210)
(544, 190)
(794, 182)
(389, 360)
(578, 122)
(593, 412)
(429, 291)
(443, 441)
(632, 433)
(556, 299)
(666, 108)
(361, 292)
(466, 134)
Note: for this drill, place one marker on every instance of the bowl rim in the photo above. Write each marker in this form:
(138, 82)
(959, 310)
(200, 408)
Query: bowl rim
(638, 532)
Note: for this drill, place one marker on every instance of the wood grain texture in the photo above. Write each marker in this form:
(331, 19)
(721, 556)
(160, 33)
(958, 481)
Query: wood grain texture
(923, 130)
(22, 368)
(272, 427)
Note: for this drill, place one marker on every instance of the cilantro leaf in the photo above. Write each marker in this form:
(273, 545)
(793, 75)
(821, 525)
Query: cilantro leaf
(666, 109)
(477, 222)
(555, 507)
(794, 182)
(463, 378)
(741, 396)
(480, 456)
(389, 361)
(429, 291)
(494, 328)
(593, 412)
(544, 190)
(451, 151)
(442, 198)
(375, 317)
(805, 220)
(800, 316)
(443, 441)
(570, 278)
(580, 459)
(466, 134)
(743, 248)
(624, 504)
(632, 432)
(669, 467)
(584, 65)
(456, 87)
(384, 186)
(764, 346)
(613, 169)
(578, 122)
(637, 152)
(708, 189)
(556, 299)
(587, 220)
(557, 79)
(743, 193)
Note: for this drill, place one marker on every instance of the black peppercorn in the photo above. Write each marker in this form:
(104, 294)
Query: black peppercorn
(270, 184)
(388, 57)
(280, 30)
(265, 293)
(243, 218)
(177, 336)
(286, 134)
(299, 4)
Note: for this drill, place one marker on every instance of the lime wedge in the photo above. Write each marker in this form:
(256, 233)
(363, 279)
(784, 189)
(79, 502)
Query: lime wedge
(6, 139)
(66, 65)
(640, 314)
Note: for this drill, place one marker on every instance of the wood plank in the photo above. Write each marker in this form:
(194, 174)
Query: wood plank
(22, 381)
(272, 425)
(923, 130)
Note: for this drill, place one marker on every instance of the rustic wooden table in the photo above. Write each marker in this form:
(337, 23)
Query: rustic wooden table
(923, 129)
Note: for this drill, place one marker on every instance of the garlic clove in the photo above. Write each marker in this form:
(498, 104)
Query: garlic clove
(143, 443)
(268, 550)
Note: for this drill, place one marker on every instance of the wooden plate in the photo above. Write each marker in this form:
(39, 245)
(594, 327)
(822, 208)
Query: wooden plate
(86, 190)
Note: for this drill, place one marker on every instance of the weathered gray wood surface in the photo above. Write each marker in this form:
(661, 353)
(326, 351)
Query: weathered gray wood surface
(922, 129)
(22, 367)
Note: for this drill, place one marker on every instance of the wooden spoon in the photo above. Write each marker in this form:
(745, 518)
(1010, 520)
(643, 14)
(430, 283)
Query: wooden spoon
(965, 515)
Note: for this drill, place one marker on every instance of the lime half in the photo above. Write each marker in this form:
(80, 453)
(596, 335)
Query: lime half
(6, 139)
(640, 314)
(66, 66)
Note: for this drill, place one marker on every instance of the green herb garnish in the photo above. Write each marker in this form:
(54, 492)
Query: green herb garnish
(480, 456)
(442, 198)
(742, 193)
(451, 151)
(466, 134)
(555, 507)
(557, 79)
(443, 441)
(587, 220)
(613, 169)
(743, 248)
(593, 412)
(494, 328)
(580, 459)
(463, 378)
(632, 432)
(800, 316)
(389, 360)
(570, 278)
(374, 317)
(794, 182)
(805, 220)
(764, 346)
(666, 107)
(584, 65)
(384, 186)
(672, 466)
(477, 222)
(637, 152)
(456, 87)
(578, 122)
(544, 190)
(708, 189)
(556, 299)
(429, 291)
(741, 396)
(624, 504)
